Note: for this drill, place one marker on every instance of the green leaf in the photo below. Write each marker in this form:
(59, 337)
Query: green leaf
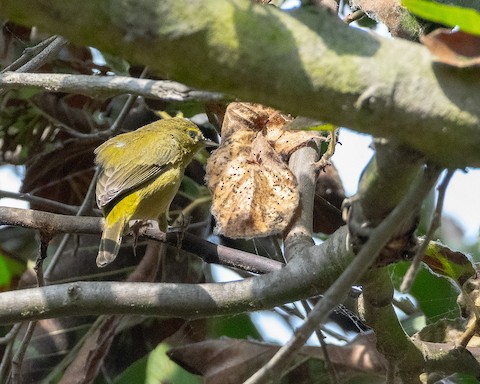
(191, 188)
(135, 373)
(467, 19)
(156, 368)
(160, 369)
(301, 123)
(448, 263)
(436, 296)
(10, 271)
(236, 327)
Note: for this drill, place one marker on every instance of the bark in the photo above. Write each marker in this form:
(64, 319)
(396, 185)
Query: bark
(304, 62)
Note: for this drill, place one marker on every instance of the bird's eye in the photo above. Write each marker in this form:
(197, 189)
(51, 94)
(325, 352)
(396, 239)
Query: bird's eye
(192, 134)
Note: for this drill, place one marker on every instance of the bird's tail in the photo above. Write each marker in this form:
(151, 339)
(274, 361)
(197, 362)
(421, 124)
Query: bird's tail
(110, 243)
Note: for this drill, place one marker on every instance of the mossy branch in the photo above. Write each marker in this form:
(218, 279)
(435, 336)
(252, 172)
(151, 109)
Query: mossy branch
(304, 62)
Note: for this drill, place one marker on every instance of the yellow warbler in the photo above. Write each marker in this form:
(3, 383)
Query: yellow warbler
(140, 173)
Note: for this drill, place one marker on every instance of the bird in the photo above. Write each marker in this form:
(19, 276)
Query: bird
(139, 174)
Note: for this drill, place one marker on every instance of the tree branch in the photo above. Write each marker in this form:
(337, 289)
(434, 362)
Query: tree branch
(106, 86)
(50, 223)
(53, 224)
(35, 57)
(299, 235)
(338, 291)
(375, 307)
(303, 277)
(304, 62)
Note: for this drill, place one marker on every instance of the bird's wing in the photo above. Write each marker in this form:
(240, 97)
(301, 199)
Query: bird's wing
(133, 166)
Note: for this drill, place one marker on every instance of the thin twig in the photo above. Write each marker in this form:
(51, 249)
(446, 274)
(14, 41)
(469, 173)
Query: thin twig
(107, 86)
(117, 124)
(17, 360)
(405, 305)
(52, 204)
(334, 334)
(20, 354)
(289, 311)
(209, 252)
(10, 335)
(190, 208)
(328, 363)
(28, 54)
(6, 363)
(473, 323)
(50, 51)
(338, 291)
(84, 208)
(321, 339)
(44, 240)
(8, 339)
(114, 128)
(43, 56)
(435, 223)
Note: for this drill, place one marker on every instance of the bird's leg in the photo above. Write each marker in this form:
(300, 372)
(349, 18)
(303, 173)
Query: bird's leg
(135, 229)
(180, 224)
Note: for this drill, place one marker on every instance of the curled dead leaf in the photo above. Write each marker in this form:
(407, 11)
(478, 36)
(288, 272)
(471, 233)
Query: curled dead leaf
(254, 192)
(227, 360)
(458, 49)
(249, 116)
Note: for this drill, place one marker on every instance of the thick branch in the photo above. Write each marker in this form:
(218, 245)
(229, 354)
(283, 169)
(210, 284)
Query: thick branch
(303, 277)
(338, 291)
(377, 310)
(303, 62)
(383, 183)
(299, 235)
(106, 86)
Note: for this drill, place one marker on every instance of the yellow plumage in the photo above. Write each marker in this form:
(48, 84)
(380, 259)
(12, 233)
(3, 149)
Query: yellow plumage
(140, 173)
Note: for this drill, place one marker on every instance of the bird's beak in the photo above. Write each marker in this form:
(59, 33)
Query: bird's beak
(209, 143)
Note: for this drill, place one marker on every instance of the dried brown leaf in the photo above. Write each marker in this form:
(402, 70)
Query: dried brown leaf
(88, 361)
(254, 192)
(232, 361)
(247, 116)
(286, 142)
(442, 331)
(458, 49)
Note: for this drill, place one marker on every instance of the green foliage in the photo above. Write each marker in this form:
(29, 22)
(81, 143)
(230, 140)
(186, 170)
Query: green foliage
(436, 296)
(10, 271)
(236, 327)
(307, 124)
(133, 374)
(467, 19)
(156, 368)
(445, 262)
(160, 369)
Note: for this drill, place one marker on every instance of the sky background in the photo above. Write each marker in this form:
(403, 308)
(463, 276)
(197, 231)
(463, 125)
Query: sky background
(462, 201)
